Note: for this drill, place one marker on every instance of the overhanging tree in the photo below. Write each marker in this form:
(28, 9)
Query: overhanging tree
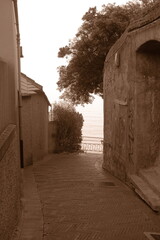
(83, 75)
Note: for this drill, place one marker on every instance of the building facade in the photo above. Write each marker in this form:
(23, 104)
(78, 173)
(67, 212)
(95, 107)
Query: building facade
(35, 120)
(10, 173)
(131, 103)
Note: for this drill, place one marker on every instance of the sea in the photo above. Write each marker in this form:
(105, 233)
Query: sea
(92, 130)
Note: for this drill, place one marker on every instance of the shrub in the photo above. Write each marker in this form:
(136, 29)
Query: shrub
(69, 127)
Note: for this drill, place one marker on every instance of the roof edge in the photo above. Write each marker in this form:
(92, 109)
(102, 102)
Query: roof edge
(40, 91)
(32, 81)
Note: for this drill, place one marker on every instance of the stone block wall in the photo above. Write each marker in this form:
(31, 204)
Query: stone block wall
(10, 182)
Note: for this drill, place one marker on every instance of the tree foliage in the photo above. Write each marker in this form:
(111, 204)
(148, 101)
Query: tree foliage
(69, 126)
(86, 53)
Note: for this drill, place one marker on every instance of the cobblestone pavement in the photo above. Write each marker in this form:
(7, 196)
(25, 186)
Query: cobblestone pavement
(80, 201)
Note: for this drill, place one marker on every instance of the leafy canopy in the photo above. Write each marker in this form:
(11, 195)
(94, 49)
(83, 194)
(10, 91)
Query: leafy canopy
(83, 75)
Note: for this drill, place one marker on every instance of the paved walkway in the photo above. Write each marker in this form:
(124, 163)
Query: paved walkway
(69, 197)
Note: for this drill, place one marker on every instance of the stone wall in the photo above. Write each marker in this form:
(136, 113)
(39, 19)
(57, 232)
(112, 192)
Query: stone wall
(131, 99)
(148, 102)
(116, 134)
(10, 182)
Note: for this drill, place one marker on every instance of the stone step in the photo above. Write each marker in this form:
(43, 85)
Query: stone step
(144, 190)
(152, 177)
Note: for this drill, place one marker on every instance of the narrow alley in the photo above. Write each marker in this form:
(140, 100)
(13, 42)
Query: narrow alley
(70, 197)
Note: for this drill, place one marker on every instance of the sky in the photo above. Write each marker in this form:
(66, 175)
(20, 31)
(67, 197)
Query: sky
(45, 26)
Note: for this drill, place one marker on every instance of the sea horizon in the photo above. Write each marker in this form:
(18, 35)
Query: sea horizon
(93, 119)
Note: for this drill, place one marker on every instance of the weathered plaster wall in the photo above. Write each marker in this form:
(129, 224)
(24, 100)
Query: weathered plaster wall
(27, 130)
(148, 102)
(131, 100)
(116, 92)
(39, 126)
(35, 127)
(5, 98)
(10, 182)
(8, 54)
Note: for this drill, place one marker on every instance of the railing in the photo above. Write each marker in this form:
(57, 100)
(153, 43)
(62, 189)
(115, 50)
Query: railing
(92, 144)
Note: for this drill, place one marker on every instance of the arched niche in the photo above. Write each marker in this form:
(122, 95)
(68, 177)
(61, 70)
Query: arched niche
(147, 92)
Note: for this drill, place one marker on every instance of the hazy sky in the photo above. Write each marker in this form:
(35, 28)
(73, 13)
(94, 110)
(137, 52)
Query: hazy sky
(45, 26)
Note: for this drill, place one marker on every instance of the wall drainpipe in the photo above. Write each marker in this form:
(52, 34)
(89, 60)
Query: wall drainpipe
(19, 86)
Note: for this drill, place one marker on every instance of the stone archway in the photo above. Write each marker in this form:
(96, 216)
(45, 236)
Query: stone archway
(148, 104)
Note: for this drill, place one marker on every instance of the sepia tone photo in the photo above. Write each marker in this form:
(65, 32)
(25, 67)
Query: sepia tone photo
(80, 120)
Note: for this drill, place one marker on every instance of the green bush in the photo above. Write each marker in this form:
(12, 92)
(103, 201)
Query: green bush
(69, 127)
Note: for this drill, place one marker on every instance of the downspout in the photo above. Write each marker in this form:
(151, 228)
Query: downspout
(19, 85)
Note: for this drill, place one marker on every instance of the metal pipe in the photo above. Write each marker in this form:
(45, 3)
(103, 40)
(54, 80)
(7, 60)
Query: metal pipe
(19, 84)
